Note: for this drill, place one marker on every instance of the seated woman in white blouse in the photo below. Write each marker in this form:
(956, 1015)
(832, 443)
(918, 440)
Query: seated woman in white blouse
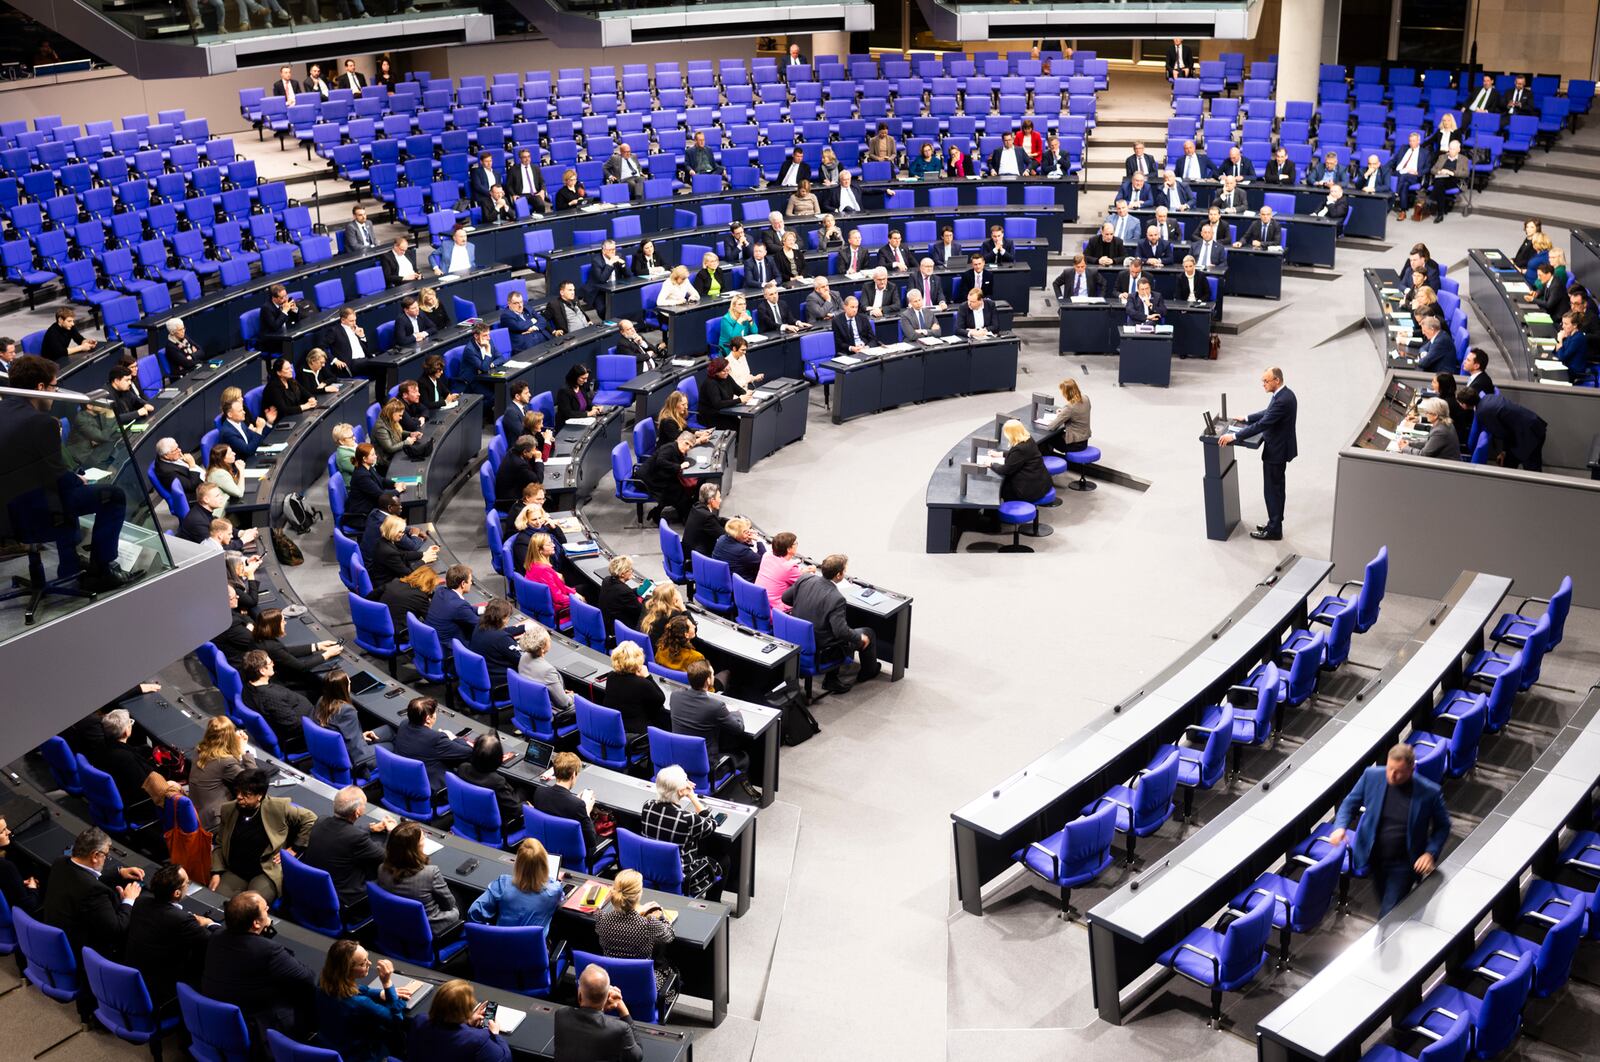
(676, 289)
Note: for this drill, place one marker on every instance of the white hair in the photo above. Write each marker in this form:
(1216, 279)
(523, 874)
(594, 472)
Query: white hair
(174, 325)
(669, 780)
(347, 802)
(165, 445)
(116, 723)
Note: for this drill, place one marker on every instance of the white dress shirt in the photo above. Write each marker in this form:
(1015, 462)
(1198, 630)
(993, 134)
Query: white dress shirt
(407, 271)
(1408, 162)
(288, 93)
(977, 317)
(457, 261)
(1008, 162)
(848, 200)
(1191, 168)
(356, 350)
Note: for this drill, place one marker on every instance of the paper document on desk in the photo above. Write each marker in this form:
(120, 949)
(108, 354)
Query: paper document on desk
(930, 341)
(756, 337)
(95, 475)
(592, 208)
(845, 359)
(1493, 256)
(255, 473)
(558, 462)
(446, 278)
(582, 422)
(272, 448)
(897, 348)
(1515, 287)
(952, 339)
(167, 393)
(518, 365)
(1389, 293)
(1537, 318)
(429, 845)
(451, 405)
(508, 1019)
(683, 363)
(1081, 299)
(1544, 344)
(1387, 434)
(1549, 365)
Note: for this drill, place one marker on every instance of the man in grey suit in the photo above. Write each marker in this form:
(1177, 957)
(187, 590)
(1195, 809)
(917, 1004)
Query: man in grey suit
(817, 600)
(623, 168)
(823, 304)
(916, 320)
(587, 1032)
(358, 234)
(696, 713)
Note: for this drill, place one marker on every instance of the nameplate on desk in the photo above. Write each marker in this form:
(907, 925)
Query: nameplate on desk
(272, 448)
(683, 363)
(518, 365)
(558, 462)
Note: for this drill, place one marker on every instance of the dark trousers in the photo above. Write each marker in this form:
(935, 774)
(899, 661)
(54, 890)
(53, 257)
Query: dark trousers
(1275, 486)
(1405, 188)
(868, 654)
(1443, 185)
(1392, 884)
(109, 507)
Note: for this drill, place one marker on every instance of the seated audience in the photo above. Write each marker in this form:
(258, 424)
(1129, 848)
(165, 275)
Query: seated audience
(362, 1023)
(528, 896)
(256, 973)
(252, 829)
(407, 873)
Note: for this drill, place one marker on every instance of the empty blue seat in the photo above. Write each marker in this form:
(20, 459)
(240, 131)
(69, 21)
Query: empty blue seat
(1553, 950)
(1074, 855)
(1495, 1017)
(1223, 960)
(1298, 904)
(1145, 803)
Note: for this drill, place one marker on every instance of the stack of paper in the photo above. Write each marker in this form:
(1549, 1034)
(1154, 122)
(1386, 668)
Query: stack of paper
(845, 359)
(518, 365)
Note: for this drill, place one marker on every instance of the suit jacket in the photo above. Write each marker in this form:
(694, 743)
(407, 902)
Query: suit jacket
(1494, 104)
(1135, 311)
(696, 713)
(583, 1035)
(1439, 354)
(1023, 476)
(86, 906)
(1573, 352)
(899, 259)
(1337, 210)
(1161, 252)
(1480, 383)
(1184, 58)
(1275, 425)
(391, 267)
(406, 329)
(854, 259)
(1065, 283)
(440, 259)
(353, 80)
(700, 160)
(1380, 185)
(1442, 441)
(1270, 234)
(802, 172)
(1244, 169)
(479, 181)
(1145, 164)
(166, 945)
(819, 602)
(456, 1043)
(1099, 247)
(1427, 827)
(188, 478)
(891, 299)
(1232, 202)
(817, 309)
(968, 280)
(758, 271)
(259, 976)
(842, 338)
(613, 169)
(1050, 162)
(1192, 289)
(702, 281)
(1004, 256)
(1024, 163)
(965, 319)
(282, 88)
(1202, 167)
(771, 316)
(1163, 196)
(908, 322)
(358, 237)
(285, 823)
(943, 254)
(1519, 430)
(1280, 174)
(433, 747)
(1553, 300)
(516, 185)
(451, 616)
(564, 803)
(1519, 101)
(276, 321)
(242, 437)
(1318, 172)
(1424, 160)
(338, 345)
(1142, 199)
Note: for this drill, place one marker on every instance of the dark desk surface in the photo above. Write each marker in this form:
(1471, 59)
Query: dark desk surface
(1196, 879)
(1497, 287)
(1034, 801)
(1380, 974)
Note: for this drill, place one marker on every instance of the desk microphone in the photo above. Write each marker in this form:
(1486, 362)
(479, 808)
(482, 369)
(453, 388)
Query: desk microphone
(40, 812)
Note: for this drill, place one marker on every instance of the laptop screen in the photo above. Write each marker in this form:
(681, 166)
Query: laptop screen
(363, 682)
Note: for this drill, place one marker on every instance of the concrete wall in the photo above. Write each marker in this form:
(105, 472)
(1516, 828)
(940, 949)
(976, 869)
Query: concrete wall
(485, 59)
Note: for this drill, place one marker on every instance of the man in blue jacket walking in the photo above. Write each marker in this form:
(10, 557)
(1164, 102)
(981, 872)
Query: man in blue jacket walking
(1403, 828)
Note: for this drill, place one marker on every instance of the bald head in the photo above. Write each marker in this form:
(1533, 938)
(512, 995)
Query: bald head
(594, 984)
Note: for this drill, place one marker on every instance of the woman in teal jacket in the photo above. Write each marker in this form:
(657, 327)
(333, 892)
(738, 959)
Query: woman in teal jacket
(736, 322)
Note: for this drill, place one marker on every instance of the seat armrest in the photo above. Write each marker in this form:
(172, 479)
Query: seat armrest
(1118, 803)
(1485, 972)
(1055, 860)
(1540, 917)
(1450, 716)
(1347, 584)
(1307, 860)
(1242, 696)
(1584, 864)
(1216, 964)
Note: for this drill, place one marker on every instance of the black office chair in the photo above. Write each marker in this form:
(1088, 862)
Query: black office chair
(29, 516)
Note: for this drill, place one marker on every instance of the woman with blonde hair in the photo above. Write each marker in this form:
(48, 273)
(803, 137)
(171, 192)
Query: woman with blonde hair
(571, 194)
(528, 896)
(674, 419)
(344, 454)
(221, 756)
(389, 436)
(437, 316)
(631, 691)
(533, 424)
(541, 569)
(617, 598)
(676, 289)
(355, 1019)
(828, 168)
(532, 519)
(390, 557)
(629, 931)
(664, 603)
(1023, 476)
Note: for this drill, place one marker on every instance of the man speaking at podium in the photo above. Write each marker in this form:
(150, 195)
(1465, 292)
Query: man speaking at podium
(1275, 425)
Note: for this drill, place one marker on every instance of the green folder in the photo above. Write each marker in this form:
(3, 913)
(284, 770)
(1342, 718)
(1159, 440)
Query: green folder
(1537, 318)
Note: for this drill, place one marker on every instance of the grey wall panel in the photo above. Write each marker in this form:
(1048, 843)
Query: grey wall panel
(64, 668)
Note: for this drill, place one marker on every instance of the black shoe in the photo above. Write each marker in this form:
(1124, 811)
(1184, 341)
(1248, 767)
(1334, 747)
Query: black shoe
(1438, 218)
(835, 687)
(105, 581)
(1262, 527)
(749, 790)
(1267, 536)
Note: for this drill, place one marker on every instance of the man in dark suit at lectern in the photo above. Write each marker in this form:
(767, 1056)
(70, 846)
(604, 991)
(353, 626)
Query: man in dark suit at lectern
(1275, 425)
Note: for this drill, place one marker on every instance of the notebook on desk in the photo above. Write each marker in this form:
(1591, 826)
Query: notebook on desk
(419, 989)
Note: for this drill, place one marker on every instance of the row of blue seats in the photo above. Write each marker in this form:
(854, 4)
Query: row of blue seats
(113, 170)
(225, 189)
